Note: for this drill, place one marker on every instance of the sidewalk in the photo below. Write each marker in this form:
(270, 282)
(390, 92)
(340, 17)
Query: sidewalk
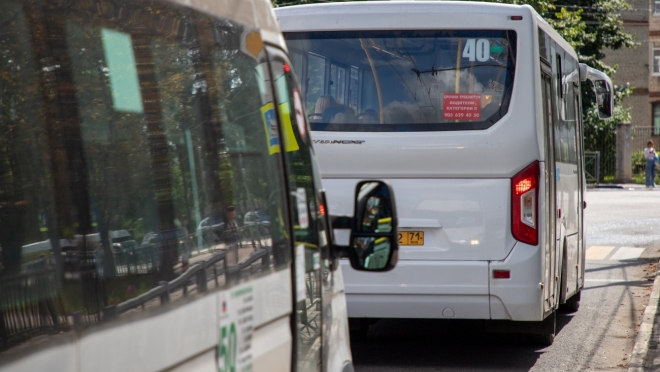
(646, 354)
(620, 186)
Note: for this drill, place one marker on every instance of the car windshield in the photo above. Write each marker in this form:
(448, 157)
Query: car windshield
(129, 244)
(408, 80)
(263, 216)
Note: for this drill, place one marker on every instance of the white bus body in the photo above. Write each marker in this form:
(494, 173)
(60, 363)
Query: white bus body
(454, 184)
(139, 120)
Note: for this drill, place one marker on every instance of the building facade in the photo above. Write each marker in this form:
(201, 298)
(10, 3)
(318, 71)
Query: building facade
(634, 63)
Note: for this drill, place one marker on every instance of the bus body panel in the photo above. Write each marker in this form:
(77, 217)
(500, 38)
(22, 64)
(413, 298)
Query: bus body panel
(462, 219)
(521, 297)
(442, 167)
(424, 289)
(272, 343)
(201, 363)
(337, 350)
(272, 350)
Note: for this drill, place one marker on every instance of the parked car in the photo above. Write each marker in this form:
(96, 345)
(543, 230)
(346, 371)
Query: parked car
(211, 229)
(152, 242)
(257, 218)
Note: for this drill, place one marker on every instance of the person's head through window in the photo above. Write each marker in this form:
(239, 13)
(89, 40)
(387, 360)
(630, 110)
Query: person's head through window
(346, 116)
(324, 102)
(231, 214)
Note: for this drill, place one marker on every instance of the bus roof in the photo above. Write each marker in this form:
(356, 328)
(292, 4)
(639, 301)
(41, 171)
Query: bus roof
(402, 15)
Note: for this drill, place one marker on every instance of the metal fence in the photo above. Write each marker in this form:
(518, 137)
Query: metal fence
(605, 146)
(592, 166)
(640, 137)
(30, 304)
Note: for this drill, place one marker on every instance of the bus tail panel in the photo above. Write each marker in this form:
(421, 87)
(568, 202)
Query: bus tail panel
(443, 219)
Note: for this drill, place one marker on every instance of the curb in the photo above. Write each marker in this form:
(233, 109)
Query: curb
(641, 349)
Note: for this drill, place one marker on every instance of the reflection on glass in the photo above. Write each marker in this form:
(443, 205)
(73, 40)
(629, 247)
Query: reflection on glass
(603, 98)
(310, 249)
(110, 207)
(374, 200)
(372, 253)
(410, 80)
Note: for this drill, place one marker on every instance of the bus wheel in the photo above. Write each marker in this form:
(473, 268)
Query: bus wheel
(359, 329)
(545, 335)
(572, 304)
(545, 339)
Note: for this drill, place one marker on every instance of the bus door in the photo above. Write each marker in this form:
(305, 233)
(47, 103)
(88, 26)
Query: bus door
(550, 197)
(581, 188)
(570, 179)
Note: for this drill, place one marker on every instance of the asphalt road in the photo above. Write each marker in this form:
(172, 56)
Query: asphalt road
(623, 240)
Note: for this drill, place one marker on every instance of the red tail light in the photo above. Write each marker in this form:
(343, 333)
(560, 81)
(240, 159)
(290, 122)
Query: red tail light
(524, 204)
(501, 274)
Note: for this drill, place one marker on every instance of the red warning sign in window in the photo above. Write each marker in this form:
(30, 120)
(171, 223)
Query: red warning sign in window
(461, 106)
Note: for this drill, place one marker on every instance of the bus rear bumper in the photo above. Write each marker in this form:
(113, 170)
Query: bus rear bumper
(449, 289)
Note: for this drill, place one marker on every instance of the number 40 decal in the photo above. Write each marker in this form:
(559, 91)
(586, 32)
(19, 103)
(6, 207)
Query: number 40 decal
(477, 49)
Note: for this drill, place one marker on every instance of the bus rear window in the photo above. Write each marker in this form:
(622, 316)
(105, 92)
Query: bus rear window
(385, 81)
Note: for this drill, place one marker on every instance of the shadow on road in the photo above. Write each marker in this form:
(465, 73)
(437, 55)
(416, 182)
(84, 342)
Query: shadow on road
(445, 345)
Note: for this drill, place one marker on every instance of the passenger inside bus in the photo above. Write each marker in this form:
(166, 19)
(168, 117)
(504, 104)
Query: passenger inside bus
(404, 78)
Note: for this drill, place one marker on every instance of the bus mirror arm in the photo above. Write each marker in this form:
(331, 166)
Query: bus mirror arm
(338, 251)
(602, 86)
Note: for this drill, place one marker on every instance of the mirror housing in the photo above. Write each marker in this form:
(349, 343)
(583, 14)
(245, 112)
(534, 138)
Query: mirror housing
(374, 239)
(603, 89)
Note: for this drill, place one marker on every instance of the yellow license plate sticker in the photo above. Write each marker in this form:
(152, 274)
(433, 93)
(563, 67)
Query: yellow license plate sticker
(411, 237)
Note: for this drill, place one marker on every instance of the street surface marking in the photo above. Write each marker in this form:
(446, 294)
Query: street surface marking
(627, 253)
(598, 252)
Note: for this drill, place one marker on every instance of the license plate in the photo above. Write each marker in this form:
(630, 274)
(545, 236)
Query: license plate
(411, 238)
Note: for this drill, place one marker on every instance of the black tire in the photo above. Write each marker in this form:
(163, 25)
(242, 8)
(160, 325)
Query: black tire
(545, 339)
(547, 335)
(572, 304)
(359, 329)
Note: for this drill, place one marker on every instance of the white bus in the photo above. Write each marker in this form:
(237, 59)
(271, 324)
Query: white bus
(472, 112)
(125, 121)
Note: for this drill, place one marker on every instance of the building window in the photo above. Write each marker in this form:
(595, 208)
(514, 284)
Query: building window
(655, 55)
(656, 118)
(656, 7)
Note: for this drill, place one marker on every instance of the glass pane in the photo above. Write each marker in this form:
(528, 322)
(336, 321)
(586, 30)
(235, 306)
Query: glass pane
(310, 249)
(315, 83)
(410, 80)
(130, 158)
(354, 89)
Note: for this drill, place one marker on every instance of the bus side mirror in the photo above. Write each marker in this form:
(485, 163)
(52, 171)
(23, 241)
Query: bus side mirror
(604, 98)
(374, 243)
(602, 88)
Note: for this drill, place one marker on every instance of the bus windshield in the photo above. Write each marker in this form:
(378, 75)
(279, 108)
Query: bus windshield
(404, 80)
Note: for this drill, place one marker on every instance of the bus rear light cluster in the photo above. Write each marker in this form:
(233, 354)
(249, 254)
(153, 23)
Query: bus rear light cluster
(524, 204)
